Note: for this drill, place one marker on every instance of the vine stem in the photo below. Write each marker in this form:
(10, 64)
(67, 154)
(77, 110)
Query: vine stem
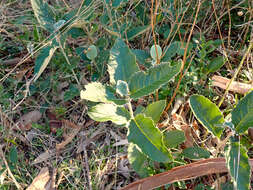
(236, 72)
(184, 58)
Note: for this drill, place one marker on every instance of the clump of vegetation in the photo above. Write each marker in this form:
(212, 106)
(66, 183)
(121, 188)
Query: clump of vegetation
(98, 94)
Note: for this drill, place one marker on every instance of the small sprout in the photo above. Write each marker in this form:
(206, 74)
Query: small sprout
(91, 52)
(153, 52)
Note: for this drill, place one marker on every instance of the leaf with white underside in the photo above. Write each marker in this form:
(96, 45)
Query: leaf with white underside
(122, 62)
(155, 110)
(139, 161)
(144, 83)
(44, 14)
(208, 114)
(242, 115)
(109, 112)
(97, 92)
(148, 137)
(238, 165)
(43, 59)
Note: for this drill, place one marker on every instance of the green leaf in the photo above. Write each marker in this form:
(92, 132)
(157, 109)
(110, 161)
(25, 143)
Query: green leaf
(44, 14)
(215, 64)
(208, 114)
(155, 110)
(173, 138)
(242, 115)
(43, 59)
(122, 88)
(155, 54)
(171, 51)
(142, 57)
(139, 161)
(143, 83)
(195, 153)
(136, 31)
(109, 112)
(143, 132)
(238, 165)
(13, 155)
(97, 92)
(71, 93)
(92, 52)
(122, 62)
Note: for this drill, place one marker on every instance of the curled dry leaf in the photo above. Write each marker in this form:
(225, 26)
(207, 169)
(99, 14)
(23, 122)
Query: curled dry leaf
(25, 121)
(181, 173)
(40, 182)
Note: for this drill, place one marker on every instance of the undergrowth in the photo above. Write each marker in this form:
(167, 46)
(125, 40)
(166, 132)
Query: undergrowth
(149, 71)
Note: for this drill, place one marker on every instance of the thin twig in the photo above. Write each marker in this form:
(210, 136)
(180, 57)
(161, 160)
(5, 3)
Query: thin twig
(236, 73)
(184, 58)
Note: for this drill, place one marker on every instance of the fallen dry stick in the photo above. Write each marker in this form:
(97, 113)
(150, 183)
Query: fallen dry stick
(189, 171)
(237, 87)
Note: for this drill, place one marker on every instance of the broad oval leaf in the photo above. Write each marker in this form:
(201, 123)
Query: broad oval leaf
(92, 52)
(148, 137)
(195, 153)
(144, 83)
(215, 64)
(155, 54)
(109, 112)
(173, 138)
(139, 161)
(43, 59)
(44, 14)
(122, 62)
(208, 114)
(155, 110)
(238, 165)
(171, 51)
(97, 92)
(242, 115)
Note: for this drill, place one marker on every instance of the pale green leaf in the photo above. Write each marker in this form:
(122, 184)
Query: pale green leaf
(97, 92)
(242, 115)
(148, 137)
(122, 62)
(208, 114)
(44, 14)
(109, 112)
(139, 161)
(155, 110)
(195, 153)
(173, 138)
(156, 52)
(43, 59)
(238, 165)
(92, 52)
(144, 83)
